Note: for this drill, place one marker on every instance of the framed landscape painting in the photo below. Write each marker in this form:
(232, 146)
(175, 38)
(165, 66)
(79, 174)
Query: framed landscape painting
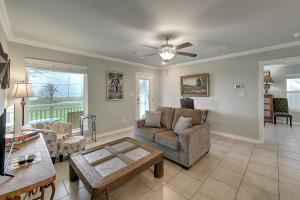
(114, 86)
(196, 85)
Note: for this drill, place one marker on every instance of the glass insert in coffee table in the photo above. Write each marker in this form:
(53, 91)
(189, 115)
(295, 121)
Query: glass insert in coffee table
(106, 166)
(114, 157)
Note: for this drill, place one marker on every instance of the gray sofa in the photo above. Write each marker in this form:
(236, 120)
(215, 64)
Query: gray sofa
(185, 148)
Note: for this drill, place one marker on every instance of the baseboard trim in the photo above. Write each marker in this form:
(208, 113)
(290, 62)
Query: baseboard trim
(230, 135)
(103, 134)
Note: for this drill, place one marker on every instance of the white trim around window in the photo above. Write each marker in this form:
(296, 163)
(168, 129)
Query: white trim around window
(55, 66)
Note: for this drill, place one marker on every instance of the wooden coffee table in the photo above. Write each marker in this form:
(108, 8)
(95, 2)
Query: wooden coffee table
(106, 166)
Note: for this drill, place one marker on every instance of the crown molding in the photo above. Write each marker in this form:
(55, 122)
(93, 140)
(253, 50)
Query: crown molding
(78, 52)
(5, 21)
(237, 54)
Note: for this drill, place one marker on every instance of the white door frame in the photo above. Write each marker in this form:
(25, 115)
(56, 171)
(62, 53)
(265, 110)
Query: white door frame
(261, 90)
(146, 76)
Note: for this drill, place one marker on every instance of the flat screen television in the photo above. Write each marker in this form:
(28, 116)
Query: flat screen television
(2, 142)
(7, 120)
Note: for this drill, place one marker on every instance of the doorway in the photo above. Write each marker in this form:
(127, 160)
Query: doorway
(144, 94)
(281, 71)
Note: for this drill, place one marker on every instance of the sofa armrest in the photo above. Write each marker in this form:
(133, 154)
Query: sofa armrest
(139, 123)
(194, 142)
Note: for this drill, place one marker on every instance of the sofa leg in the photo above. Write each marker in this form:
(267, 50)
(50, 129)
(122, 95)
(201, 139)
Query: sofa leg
(53, 159)
(61, 158)
(186, 168)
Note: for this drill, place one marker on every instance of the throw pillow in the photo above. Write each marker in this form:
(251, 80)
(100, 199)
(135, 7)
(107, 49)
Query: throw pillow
(182, 123)
(153, 119)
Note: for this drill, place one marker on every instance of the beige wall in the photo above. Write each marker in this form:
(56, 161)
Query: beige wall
(110, 115)
(3, 38)
(229, 111)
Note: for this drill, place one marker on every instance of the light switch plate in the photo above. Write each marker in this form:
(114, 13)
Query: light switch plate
(242, 94)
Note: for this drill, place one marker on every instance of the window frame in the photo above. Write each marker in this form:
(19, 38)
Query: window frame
(296, 76)
(58, 67)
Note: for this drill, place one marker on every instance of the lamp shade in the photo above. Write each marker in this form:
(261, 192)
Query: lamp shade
(268, 79)
(21, 90)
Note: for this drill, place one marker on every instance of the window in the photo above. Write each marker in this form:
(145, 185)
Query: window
(293, 93)
(56, 93)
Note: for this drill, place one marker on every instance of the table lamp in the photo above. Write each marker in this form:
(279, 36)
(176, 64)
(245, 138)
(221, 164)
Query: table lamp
(267, 83)
(22, 90)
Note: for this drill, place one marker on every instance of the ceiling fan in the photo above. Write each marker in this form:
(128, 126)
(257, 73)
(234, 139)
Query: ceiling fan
(168, 51)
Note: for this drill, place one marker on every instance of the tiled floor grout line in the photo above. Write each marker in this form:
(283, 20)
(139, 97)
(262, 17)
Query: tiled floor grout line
(209, 174)
(244, 173)
(205, 179)
(289, 158)
(276, 135)
(212, 172)
(65, 189)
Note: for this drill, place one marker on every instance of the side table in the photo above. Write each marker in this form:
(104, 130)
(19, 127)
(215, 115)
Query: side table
(88, 117)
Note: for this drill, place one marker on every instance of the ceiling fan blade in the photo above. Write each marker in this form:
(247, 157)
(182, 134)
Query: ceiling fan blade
(183, 45)
(186, 54)
(144, 45)
(151, 54)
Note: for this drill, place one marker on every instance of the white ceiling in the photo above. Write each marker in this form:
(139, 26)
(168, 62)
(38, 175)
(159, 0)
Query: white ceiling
(117, 28)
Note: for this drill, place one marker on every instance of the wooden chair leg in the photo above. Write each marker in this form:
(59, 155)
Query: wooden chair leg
(53, 190)
(275, 120)
(61, 158)
(291, 121)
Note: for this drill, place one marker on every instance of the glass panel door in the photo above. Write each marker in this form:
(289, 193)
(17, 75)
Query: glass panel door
(144, 97)
(144, 94)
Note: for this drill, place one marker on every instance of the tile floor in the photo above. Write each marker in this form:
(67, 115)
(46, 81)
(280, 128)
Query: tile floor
(231, 170)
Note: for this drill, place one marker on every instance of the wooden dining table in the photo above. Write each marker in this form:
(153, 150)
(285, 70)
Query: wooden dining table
(32, 178)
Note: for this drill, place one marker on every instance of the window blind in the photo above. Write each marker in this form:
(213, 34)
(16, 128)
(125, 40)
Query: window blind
(55, 66)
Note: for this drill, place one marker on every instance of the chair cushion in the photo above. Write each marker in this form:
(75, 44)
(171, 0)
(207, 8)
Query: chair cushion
(60, 127)
(72, 145)
(167, 116)
(62, 137)
(153, 119)
(168, 139)
(148, 132)
(196, 116)
(280, 105)
(282, 114)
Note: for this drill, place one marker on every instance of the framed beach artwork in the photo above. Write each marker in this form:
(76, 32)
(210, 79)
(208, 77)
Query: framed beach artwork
(196, 85)
(114, 86)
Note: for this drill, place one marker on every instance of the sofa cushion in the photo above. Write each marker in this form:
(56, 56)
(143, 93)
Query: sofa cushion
(196, 116)
(153, 119)
(168, 139)
(149, 132)
(182, 123)
(167, 116)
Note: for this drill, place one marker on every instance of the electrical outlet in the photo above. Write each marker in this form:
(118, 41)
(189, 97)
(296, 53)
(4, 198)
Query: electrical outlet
(123, 119)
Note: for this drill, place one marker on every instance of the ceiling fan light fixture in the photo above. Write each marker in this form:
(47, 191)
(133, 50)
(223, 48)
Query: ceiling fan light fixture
(167, 52)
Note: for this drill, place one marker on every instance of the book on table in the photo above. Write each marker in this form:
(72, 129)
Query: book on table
(19, 138)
